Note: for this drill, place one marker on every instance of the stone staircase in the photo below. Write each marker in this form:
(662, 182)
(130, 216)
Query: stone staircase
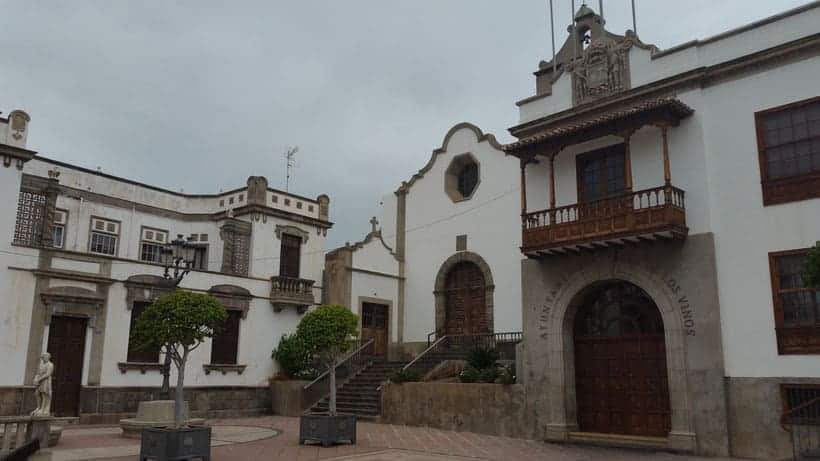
(360, 395)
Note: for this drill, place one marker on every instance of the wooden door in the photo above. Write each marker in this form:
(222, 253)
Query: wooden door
(620, 364)
(466, 307)
(66, 344)
(375, 319)
(291, 251)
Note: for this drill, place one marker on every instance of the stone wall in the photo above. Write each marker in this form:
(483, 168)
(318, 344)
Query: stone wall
(681, 279)
(16, 401)
(286, 397)
(755, 406)
(105, 405)
(493, 409)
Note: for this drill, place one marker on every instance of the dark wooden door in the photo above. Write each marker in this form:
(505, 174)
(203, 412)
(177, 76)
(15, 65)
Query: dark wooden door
(291, 251)
(466, 308)
(375, 318)
(66, 344)
(620, 364)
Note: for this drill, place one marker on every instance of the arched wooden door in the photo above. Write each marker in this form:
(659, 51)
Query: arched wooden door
(620, 363)
(466, 305)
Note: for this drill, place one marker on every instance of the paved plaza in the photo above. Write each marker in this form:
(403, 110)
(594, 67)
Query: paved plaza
(275, 438)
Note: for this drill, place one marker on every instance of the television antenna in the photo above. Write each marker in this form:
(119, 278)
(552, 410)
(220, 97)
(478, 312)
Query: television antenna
(290, 162)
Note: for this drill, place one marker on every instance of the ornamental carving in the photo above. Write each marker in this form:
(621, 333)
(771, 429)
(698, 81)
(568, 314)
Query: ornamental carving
(602, 70)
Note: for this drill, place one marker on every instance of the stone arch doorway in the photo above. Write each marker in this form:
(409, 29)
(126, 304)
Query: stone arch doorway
(464, 296)
(621, 377)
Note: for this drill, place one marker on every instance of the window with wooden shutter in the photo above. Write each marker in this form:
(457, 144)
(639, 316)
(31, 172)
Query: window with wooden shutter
(796, 307)
(134, 354)
(290, 256)
(225, 344)
(601, 173)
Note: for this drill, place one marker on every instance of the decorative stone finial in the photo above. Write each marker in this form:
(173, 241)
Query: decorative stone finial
(374, 223)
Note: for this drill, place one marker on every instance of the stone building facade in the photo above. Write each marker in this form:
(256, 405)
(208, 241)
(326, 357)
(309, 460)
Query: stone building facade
(80, 258)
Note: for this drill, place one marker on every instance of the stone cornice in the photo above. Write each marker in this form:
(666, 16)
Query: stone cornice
(11, 154)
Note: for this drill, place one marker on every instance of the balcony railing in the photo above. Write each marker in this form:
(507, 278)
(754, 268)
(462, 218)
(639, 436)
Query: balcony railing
(291, 292)
(652, 213)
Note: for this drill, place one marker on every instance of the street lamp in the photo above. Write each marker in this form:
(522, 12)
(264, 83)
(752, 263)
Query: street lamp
(179, 255)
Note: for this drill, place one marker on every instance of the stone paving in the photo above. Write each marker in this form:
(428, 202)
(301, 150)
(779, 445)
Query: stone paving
(252, 439)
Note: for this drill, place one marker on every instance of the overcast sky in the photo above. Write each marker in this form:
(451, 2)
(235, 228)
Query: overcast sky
(199, 95)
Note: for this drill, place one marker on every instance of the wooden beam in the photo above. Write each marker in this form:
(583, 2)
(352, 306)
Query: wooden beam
(523, 190)
(667, 173)
(552, 182)
(628, 159)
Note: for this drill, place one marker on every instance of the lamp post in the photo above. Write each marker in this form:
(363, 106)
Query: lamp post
(179, 255)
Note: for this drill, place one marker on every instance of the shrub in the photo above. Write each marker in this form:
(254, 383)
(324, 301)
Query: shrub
(293, 356)
(469, 375)
(488, 375)
(482, 358)
(405, 376)
(507, 375)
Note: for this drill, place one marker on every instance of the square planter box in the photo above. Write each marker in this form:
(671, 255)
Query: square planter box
(170, 444)
(327, 429)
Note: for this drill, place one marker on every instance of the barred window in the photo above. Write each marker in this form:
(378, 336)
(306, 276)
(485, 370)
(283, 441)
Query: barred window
(225, 343)
(31, 211)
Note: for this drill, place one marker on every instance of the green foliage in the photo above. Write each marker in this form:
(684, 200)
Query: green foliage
(482, 358)
(469, 375)
(811, 271)
(405, 376)
(507, 375)
(328, 332)
(180, 319)
(488, 375)
(294, 358)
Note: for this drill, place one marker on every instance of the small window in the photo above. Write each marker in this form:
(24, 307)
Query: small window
(796, 308)
(275, 199)
(225, 343)
(462, 177)
(60, 221)
(230, 201)
(222, 203)
(203, 237)
(200, 258)
(241, 198)
(104, 234)
(310, 208)
(287, 202)
(801, 403)
(134, 354)
(151, 245)
(788, 139)
(468, 179)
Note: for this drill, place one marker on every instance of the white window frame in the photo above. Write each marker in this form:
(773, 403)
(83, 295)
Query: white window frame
(106, 228)
(155, 238)
(60, 222)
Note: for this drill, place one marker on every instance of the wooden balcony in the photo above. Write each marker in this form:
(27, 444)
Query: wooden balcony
(651, 214)
(291, 292)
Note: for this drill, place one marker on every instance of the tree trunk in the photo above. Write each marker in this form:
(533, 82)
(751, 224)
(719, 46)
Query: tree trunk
(179, 400)
(332, 405)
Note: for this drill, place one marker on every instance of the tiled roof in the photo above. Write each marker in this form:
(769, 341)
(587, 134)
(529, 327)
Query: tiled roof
(675, 106)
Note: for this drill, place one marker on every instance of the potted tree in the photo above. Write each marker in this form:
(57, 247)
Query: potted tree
(328, 332)
(178, 323)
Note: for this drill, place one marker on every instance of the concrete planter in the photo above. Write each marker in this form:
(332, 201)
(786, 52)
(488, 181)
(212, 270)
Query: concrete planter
(171, 444)
(327, 429)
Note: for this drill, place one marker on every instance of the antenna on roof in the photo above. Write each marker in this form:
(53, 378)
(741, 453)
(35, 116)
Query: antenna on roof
(634, 23)
(552, 36)
(290, 161)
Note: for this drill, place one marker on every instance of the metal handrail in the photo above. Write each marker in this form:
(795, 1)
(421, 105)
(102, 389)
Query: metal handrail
(434, 334)
(425, 352)
(340, 363)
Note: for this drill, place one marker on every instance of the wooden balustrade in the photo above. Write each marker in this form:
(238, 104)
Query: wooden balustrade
(659, 211)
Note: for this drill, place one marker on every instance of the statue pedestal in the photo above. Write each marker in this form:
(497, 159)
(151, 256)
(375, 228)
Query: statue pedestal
(154, 413)
(16, 430)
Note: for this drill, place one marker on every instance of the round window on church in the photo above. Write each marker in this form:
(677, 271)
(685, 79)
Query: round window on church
(462, 177)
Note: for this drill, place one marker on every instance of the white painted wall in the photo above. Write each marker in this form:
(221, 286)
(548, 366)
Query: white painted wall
(380, 281)
(745, 230)
(490, 219)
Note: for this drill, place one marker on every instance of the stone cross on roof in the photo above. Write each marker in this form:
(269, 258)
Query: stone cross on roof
(373, 223)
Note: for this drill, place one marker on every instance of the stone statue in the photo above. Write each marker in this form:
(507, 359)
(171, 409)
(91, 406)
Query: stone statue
(43, 382)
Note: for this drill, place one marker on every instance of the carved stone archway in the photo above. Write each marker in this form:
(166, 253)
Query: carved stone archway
(441, 281)
(559, 337)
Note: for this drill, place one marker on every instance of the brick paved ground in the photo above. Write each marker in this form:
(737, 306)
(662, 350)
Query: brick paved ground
(375, 442)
